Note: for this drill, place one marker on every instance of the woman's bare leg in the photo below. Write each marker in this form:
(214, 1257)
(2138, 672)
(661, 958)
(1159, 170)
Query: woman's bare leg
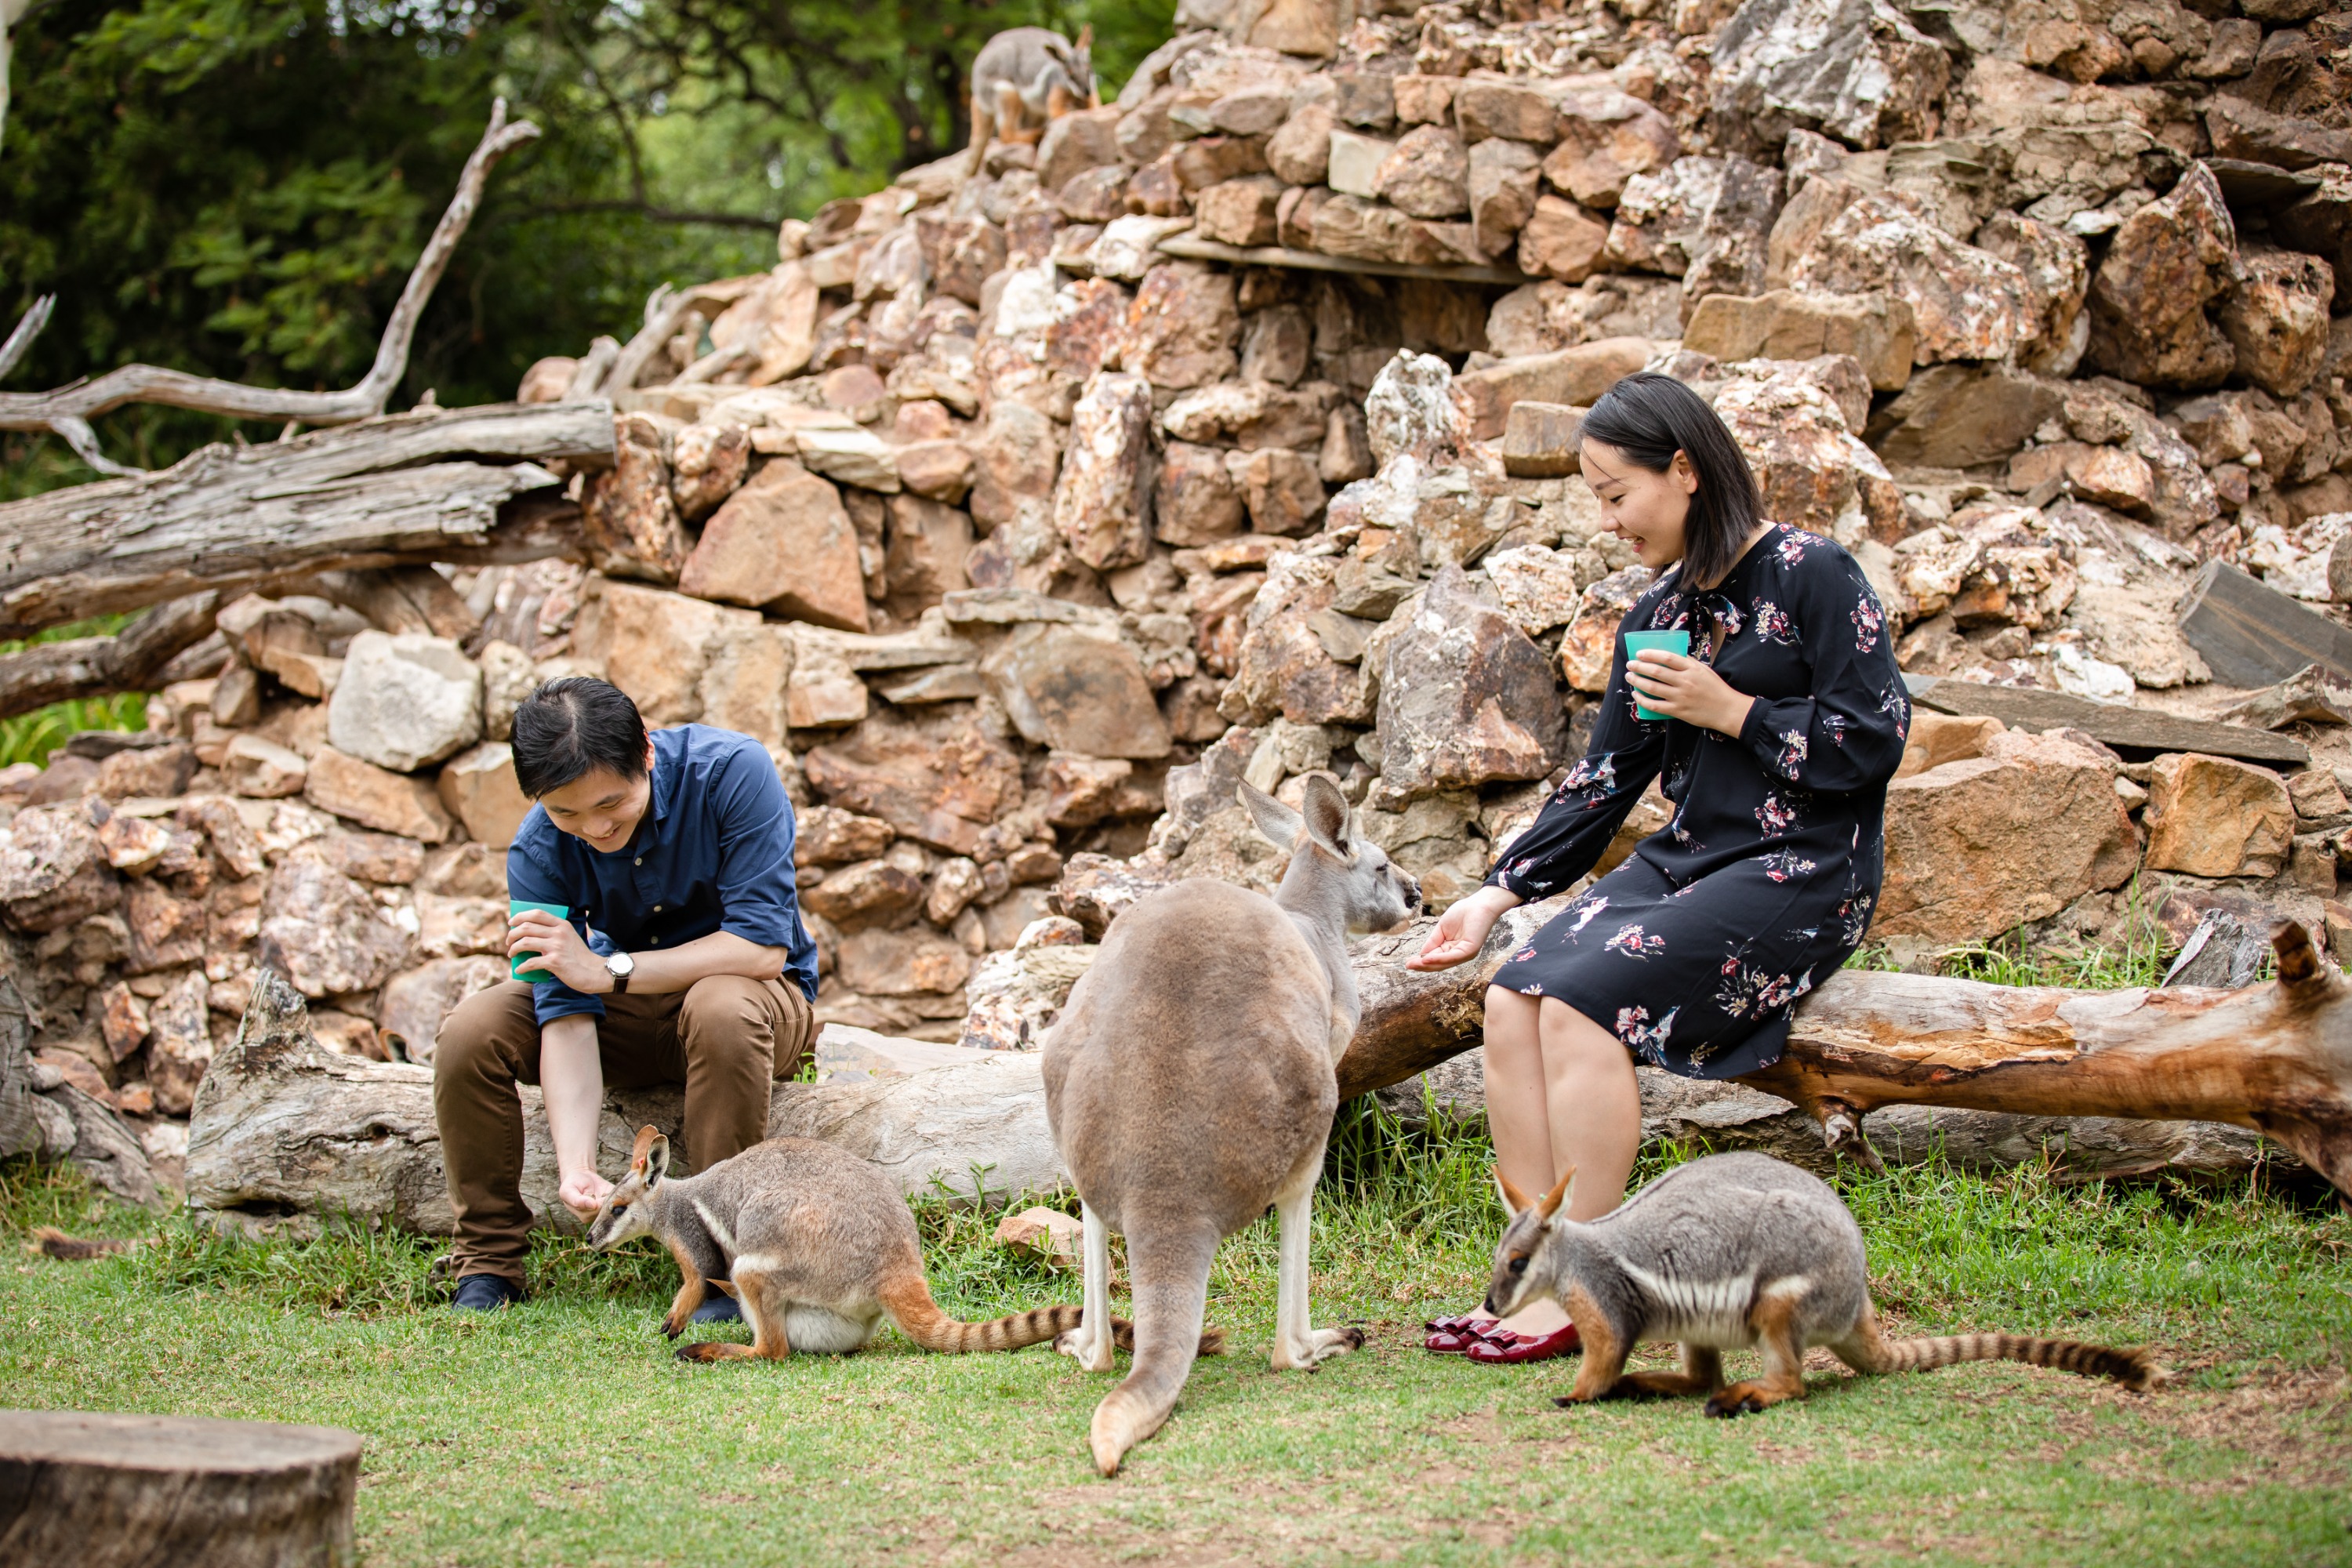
(1594, 1105)
(1518, 1116)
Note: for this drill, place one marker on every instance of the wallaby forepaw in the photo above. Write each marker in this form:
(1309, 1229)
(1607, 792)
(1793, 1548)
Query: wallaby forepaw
(1729, 1403)
(706, 1351)
(1213, 1342)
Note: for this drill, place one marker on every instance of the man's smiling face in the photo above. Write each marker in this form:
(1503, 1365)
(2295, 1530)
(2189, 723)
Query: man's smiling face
(600, 809)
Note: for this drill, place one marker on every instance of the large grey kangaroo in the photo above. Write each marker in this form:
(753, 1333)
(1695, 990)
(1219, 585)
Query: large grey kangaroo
(1727, 1252)
(1190, 1083)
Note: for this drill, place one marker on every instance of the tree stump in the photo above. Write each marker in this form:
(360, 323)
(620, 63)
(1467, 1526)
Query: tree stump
(101, 1490)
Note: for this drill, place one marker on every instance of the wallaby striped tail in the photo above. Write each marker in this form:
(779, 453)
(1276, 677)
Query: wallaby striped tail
(1172, 1296)
(51, 1242)
(1870, 1351)
(920, 1320)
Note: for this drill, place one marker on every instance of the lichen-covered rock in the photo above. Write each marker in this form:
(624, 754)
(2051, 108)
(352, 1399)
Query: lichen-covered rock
(628, 513)
(2057, 271)
(1813, 470)
(1705, 220)
(1966, 303)
(53, 869)
(1589, 646)
(1183, 328)
(707, 463)
(1537, 587)
(1410, 410)
(1465, 698)
(2164, 267)
(1282, 668)
(325, 934)
(1855, 70)
(1999, 567)
(1102, 503)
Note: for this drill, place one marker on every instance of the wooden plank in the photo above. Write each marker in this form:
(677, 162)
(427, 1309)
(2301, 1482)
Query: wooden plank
(1186, 246)
(2252, 635)
(2112, 723)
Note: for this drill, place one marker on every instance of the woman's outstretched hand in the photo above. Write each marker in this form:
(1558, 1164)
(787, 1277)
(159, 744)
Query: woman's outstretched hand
(1681, 688)
(1461, 930)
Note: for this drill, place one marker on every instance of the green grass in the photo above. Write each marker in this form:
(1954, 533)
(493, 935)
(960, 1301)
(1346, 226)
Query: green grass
(563, 1432)
(31, 737)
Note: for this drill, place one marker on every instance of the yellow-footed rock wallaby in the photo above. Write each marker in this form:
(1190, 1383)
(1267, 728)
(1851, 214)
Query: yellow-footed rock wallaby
(1023, 77)
(1725, 1253)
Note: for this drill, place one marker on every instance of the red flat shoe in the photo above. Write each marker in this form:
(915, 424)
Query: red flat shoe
(1458, 1340)
(1505, 1348)
(1454, 1324)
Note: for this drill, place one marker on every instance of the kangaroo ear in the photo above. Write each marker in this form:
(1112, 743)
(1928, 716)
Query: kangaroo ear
(647, 1136)
(1326, 815)
(1548, 1204)
(1514, 1200)
(656, 1160)
(1274, 819)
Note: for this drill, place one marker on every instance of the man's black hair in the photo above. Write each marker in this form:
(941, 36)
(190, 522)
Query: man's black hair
(571, 727)
(1650, 417)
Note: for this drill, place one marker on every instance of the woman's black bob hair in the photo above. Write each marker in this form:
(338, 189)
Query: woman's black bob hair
(1649, 418)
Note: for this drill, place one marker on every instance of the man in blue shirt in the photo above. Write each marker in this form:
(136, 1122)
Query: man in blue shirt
(680, 958)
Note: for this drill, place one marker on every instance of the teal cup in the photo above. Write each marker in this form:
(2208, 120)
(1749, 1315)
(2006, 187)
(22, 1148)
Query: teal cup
(519, 906)
(1641, 642)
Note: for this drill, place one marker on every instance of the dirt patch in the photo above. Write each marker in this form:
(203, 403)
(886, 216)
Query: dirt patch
(2293, 1424)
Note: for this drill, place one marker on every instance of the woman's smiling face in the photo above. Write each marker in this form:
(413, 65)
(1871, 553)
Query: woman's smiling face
(1644, 509)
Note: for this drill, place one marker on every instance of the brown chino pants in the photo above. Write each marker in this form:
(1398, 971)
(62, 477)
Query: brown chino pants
(726, 1038)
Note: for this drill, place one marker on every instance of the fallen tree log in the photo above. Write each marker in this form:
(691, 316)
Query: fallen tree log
(100, 667)
(122, 1491)
(434, 485)
(2137, 1078)
(67, 411)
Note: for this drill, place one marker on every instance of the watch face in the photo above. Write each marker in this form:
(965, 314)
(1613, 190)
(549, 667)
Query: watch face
(621, 963)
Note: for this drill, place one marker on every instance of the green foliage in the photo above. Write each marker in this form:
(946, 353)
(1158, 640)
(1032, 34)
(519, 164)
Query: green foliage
(31, 737)
(239, 187)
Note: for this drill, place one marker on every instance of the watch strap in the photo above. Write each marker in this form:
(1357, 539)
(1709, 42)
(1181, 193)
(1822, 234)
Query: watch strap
(620, 978)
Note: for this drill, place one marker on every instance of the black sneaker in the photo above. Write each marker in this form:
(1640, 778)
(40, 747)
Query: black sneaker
(718, 1307)
(485, 1293)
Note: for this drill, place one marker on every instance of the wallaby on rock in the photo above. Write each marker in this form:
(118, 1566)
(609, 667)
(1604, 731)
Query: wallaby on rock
(820, 1247)
(1025, 74)
(1190, 1083)
(1727, 1252)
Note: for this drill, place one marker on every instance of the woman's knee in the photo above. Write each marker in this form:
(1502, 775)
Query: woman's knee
(1569, 1039)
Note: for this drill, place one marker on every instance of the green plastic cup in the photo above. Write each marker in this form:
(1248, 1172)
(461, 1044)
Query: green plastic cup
(1643, 642)
(521, 906)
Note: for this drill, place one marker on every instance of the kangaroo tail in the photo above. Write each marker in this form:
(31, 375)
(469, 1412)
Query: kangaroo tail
(920, 1320)
(51, 1242)
(1874, 1353)
(1171, 1270)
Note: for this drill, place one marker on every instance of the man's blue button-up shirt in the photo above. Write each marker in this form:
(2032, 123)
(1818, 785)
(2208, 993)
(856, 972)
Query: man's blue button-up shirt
(713, 852)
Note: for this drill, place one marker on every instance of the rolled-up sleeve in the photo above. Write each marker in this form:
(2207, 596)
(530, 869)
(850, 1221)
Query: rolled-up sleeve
(531, 880)
(758, 896)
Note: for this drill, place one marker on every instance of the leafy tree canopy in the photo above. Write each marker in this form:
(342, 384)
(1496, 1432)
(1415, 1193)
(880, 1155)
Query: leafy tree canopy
(239, 187)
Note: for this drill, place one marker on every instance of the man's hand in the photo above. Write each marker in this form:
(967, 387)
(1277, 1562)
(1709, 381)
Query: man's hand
(582, 1191)
(1681, 688)
(560, 949)
(1461, 930)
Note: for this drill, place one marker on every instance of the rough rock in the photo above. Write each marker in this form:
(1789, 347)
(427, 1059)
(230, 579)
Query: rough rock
(1239, 212)
(2321, 223)
(1465, 698)
(1559, 240)
(1703, 220)
(1589, 647)
(1015, 460)
(1966, 303)
(1183, 328)
(2057, 270)
(1300, 152)
(361, 791)
(404, 701)
(1542, 440)
(783, 541)
(1282, 490)
(1196, 500)
(1854, 70)
(906, 963)
(179, 1045)
(479, 788)
(323, 932)
(1537, 587)
(1046, 1234)
(1954, 415)
(1410, 410)
(1978, 847)
(1577, 377)
(416, 1001)
(1427, 174)
(868, 894)
(2215, 816)
(684, 660)
(1282, 666)
(938, 778)
(707, 463)
(1076, 689)
(2276, 319)
(1606, 139)
(1102, 503)
(1356, 162)
(148, 771)
(829, 835)
(2164, 267)
(1503, 186)
(2000, 567)
(1019, 994)
(262, 770)
(1877, 330)
(628, 513)
(1810, 468)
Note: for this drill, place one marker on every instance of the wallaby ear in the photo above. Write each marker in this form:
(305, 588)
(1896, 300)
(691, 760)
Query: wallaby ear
(1086, 36)
(1548, 1204)
(647, 1136)
(1274, 819)
(1326, 816)
(656, 1161)
(1514, 1200)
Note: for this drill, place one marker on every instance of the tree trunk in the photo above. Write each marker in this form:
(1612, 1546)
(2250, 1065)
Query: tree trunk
(452, 486)
(122, 1491)
(100, 667)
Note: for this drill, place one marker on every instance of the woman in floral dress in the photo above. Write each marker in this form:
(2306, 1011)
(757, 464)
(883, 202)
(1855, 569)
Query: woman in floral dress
(1783, 726)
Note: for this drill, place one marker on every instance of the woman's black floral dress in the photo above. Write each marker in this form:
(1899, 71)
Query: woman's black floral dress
(1694, 951)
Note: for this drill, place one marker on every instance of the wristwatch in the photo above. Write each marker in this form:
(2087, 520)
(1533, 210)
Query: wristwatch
(620, 966)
